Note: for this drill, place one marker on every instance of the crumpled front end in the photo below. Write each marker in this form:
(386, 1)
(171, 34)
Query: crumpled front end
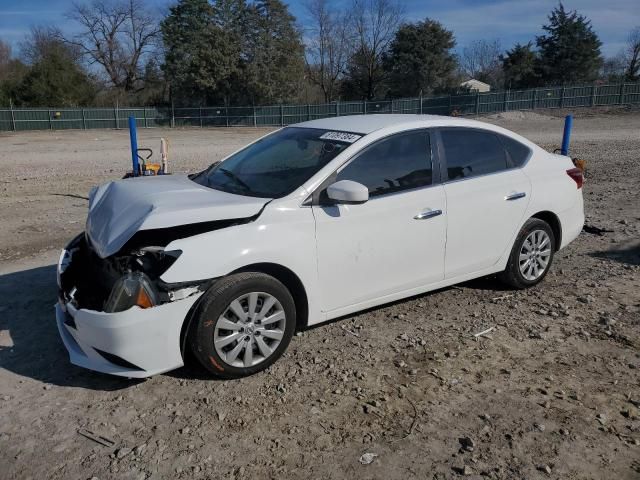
(115, 315)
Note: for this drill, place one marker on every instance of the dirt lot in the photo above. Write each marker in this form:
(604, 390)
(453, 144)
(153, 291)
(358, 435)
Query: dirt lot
(553, 392)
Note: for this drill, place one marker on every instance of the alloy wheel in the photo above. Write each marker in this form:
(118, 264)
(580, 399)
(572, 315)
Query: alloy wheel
(249, 330)
(534, 255)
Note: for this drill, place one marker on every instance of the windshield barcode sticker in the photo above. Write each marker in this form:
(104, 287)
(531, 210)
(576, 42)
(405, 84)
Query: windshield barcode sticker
(341, 137)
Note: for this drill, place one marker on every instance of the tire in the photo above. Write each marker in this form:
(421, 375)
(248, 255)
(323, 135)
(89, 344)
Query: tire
(225, 328)
(539, 237)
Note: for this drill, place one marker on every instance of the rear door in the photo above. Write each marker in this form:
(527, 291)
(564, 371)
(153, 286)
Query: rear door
(395, 241)
(486, 198)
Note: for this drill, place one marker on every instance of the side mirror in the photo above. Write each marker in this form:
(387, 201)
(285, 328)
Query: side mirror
(348, 191)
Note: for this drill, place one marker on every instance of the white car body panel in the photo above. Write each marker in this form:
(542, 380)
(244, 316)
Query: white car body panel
(119, 209)
(376, 249)
(493, 220)
(347, 257)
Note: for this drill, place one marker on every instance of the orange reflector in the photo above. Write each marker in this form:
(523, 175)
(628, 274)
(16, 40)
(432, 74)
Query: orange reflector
(143, 300)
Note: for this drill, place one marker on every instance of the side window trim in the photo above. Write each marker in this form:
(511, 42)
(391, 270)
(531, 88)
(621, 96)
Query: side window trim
(435, 165)
(443, 155)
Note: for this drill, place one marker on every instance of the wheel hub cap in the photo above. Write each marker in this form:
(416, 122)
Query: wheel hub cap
(535, 254)
(249, 330)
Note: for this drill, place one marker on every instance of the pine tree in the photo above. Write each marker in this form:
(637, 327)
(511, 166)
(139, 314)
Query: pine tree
(570, 49)
(274, 54)
(200, 56)
(520, 67)
(420, 59)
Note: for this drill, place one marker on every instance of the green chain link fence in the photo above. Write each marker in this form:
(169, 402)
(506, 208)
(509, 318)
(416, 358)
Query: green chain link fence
(19, 119)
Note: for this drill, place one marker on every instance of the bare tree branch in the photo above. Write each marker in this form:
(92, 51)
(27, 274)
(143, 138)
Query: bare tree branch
(328, 47)
(632, 56)
(115, 34)
(374, 23)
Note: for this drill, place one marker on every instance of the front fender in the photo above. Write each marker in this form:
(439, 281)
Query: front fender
(281, 235)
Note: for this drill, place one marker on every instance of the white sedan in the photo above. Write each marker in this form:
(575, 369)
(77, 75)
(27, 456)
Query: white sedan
(311, 222)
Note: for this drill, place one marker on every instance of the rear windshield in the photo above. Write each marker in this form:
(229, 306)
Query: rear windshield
(278, 164)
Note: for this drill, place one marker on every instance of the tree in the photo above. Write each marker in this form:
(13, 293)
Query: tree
(374, 24)
(274, 56)
(420, 59)
(481, 60)
(632, 56)
(570, 49)
(200, 56)
(520, 67)
(117, 35)
(614, 69)
(327, 47)
(56, 77)
(12, 71)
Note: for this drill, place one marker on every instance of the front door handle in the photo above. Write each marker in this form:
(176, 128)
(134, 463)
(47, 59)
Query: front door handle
(427, 214)
(515, 196)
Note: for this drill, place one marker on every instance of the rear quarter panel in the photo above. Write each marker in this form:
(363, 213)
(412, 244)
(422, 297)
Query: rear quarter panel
(554, 191)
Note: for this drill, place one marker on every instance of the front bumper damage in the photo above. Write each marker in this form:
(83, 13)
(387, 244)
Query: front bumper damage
(136, 342)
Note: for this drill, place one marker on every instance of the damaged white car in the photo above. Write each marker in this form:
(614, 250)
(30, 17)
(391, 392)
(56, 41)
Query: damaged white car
(309, 223)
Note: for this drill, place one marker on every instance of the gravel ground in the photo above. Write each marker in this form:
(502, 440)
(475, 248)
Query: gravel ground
(552, 392)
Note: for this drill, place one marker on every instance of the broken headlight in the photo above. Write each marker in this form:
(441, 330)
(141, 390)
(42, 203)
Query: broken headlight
(134, 288)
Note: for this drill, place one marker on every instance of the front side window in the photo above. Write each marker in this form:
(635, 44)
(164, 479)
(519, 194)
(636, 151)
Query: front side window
(401, 162)
(278, 164)
(470, 153)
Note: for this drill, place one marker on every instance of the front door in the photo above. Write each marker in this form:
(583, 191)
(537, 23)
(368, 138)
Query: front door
(395, 241)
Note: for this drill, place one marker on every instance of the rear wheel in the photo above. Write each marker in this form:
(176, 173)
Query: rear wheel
(531, 256)
(244, 324)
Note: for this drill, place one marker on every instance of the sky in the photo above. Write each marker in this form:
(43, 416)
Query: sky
(508, 21)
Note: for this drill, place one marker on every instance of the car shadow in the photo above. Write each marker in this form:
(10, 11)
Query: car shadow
(628, 253)
(30, 345)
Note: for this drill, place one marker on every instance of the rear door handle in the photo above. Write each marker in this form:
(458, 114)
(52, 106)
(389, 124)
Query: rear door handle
(515, 196)
(427, 214)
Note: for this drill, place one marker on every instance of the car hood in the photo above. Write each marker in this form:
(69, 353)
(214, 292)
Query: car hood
(119, 209)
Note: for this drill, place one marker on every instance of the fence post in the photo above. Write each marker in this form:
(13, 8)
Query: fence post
(562, 98)
(337, 108)
(13, 117)
(255, 119)
(144, 115)
(420, 102)
(364, 106)
(621, 100)
(49, 115)
(477, 103)
(226, 114)
(173, 115)
(450, 103)
(506, 101)
(308, 112)
(593, 95)
(84, 121)
(115, 116)
(200, 114)
(534, 100)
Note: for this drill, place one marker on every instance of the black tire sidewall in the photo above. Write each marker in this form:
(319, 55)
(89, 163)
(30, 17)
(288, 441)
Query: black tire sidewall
(216, 301)
(512, 274)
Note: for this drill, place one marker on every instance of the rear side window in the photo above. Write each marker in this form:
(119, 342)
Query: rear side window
(401, 162)
(470, 153)
(518, 152)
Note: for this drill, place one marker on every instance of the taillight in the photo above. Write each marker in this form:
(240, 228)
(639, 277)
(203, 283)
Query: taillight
(576, 175)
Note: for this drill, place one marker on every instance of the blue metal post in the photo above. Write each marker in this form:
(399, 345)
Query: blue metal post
(566, 136)
(134, 145)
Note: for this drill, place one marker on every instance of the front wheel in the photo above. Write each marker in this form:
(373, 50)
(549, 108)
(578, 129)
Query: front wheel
(531, 256)
(243, 325)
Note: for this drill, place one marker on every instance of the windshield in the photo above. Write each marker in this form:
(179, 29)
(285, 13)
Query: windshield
(278, 164)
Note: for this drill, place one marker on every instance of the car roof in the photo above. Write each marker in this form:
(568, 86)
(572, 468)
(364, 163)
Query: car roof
(365, 124)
